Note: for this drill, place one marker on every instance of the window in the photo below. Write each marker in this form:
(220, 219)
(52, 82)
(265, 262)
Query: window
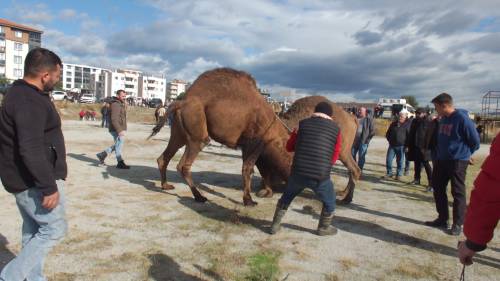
(2, 56)
(68, 73)
(18, 72)
(69, 66)
(18, 46)
(116, 77)
(68, 79)
(18, 59)
(19, 34)
(68, 86)
(1, 29)
(2, 43)
(2, 70)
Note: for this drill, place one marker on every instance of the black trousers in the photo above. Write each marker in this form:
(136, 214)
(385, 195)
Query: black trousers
(444, 172)
(419, 162)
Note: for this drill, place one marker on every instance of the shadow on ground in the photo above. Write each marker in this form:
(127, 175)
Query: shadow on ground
(164, 268)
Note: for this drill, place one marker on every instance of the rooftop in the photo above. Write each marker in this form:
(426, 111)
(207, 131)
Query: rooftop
(11, 24)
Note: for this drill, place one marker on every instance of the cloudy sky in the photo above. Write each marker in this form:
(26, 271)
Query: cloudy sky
(345, 49)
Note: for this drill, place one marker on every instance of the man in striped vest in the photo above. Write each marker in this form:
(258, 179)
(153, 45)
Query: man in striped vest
(317, 147)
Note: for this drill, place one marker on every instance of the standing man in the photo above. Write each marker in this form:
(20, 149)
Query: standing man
(33, 163)
(483, 212)
(105, 115)
(364, 135)
(417, 147)
(117, 129)
(317, 147)
(456, 140)
(396, 135)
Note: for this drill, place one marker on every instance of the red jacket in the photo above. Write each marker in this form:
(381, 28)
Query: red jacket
(290, 145)
(483, 212)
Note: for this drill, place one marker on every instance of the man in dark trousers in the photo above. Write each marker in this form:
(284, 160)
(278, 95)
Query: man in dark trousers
(483, 212)
(105, 115)
(396, 135)
(117, 129)
(364, 134)
(456, 140)
(33, 163)
(417, 147)
(317, 146)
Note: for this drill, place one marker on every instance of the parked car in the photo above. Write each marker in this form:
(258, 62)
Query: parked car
(87, 98)
(155, 102)
(59, 95)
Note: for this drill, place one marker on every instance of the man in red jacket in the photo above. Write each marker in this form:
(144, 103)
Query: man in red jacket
(317, 146)
(483, 212)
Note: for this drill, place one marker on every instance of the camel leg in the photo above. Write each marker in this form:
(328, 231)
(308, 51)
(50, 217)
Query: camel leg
(265, 190)
(347, 194)
(250, 156)
(176, 141)
(184, 167)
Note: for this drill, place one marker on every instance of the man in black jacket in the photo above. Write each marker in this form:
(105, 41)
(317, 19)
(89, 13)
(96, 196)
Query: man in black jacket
(396, 136)
(364, 134)
(317, 147)
(33, 163)
(417, 148)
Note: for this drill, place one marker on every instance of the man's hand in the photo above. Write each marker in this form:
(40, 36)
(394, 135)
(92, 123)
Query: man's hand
(121, 134)
(471, 161)
(50, 201)
(465, 254)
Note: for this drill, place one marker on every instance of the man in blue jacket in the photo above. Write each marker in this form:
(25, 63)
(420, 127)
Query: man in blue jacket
(455, 141)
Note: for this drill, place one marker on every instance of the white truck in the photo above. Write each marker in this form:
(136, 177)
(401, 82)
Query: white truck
(392, 106)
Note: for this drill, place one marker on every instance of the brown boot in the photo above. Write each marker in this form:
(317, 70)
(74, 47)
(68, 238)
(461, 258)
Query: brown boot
(325, 224)
(278, 215)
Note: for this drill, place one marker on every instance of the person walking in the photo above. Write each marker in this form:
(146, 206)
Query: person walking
(105, 115)
(396, 135)
(456, 140)
(33, 163)
(317, 147)
(418, 151)
(483, 212)
(364, 134)
(117, 129)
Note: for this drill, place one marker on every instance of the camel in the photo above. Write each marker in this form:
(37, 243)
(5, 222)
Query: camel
(225, 105)
(303, 108)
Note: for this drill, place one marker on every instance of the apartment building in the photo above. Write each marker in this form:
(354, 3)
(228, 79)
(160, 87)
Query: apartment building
(85, 79)
(151, 87)
(15, 42)
(128, 80)
(175, 88)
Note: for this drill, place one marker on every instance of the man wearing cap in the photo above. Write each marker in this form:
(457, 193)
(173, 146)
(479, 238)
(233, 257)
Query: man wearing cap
(417, 147)
(396, 135)
(456, 139)
(317, 146)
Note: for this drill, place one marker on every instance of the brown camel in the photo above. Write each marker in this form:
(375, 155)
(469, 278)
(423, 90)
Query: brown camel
(225, 105)
(303, 108)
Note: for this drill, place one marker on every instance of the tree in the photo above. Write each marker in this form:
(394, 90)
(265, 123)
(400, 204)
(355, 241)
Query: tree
(411, 100)
(181, 96)
(4, 81)
(58, 86)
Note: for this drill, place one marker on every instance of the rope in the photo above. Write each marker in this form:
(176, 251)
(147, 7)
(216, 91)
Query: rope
(462, 276)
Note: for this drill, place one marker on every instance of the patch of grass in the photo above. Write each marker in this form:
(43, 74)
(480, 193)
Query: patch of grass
(410, 269)
(63, 276)
(263, 266)
(348, 263)
(332, 277)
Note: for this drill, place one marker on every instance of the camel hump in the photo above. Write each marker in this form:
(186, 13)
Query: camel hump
(226, 72)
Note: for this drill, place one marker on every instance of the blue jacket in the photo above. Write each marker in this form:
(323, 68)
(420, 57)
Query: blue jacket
(457, 137)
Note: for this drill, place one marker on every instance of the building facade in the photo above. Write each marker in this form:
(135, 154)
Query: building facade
(16, 41)
(85, 79)
(175, 88)
(151, 87)
(127, 80)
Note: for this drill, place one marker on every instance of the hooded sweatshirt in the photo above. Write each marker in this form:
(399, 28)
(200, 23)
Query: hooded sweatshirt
(457, 137)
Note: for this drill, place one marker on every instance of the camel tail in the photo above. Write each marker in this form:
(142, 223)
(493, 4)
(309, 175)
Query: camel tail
(161, 122)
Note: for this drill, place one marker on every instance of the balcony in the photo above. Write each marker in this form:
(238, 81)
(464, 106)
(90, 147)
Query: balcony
(2, 49)
(2, 62)
(2, 35)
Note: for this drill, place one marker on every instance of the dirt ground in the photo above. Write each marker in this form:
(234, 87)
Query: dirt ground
(122, 227)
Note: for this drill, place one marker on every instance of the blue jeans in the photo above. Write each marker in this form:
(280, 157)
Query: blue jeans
(360, 150)
(398, 152)
(323, 190)
(41, 230)
(117, 146)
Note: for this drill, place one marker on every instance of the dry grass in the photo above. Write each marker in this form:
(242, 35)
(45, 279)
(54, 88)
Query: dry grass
(331, 277)
(348, 263)
(409, 269)
(69, 111)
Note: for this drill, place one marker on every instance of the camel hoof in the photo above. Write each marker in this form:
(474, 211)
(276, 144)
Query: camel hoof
(200, 199)
(265, 193)
(249, 202)
(167, 186)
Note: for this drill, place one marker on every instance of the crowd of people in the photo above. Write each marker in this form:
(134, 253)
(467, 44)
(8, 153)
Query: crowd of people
(33, 164)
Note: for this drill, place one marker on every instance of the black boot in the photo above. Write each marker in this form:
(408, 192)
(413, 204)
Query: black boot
(101, 156)
(278, 215)
(122, 165)
(325, 224)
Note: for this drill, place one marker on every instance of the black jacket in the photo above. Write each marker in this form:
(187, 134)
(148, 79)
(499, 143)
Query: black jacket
(416, 141)
(398, 133)
(314, 148)
(32, 151)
